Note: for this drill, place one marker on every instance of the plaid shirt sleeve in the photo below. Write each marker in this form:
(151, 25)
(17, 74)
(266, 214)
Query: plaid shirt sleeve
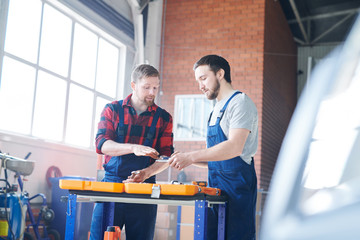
(165, 141)
(106, 129)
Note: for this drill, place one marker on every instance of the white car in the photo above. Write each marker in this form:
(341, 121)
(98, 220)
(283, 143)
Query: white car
(315, 189)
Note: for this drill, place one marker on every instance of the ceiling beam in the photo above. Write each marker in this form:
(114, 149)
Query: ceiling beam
(301, 42)
(326, 15)
(144, 4)
(332, 28)
(298, 19)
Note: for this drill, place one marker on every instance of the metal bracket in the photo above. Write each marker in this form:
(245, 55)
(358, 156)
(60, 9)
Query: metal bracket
(70, 217)
(221, 221)
(155, 191)
(200, 221)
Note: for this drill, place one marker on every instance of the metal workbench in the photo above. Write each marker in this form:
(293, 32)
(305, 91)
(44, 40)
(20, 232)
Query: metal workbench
(200, 201)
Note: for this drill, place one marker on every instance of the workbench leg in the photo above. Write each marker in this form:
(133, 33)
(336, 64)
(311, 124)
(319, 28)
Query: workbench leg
(70, 217)
(200, 223)
(178, 226)
(221, 221)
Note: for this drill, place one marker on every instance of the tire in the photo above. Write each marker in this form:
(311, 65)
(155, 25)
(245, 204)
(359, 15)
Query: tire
(53, 234)
(48, 215)
(28, 236)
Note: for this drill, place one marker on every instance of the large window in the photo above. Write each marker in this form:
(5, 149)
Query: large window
(58, 72)
(192, 114)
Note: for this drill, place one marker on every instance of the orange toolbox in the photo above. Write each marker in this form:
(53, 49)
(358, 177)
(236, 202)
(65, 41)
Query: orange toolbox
(179, 189)
(172, 189)
(165, 189)
(207, 190)
(140, 188)
(71, 184)
(91, 186)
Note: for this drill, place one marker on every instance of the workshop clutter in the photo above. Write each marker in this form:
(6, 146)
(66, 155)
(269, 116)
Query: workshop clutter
(112, 233)
(207, 190)
(12, 217)
(145, 193)
(15, 204)
(166, 222)
(141, 188)
(185, 222)
(59, 205)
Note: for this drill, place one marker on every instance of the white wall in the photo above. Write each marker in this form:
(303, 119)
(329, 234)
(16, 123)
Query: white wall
(316, 53)
(122, 7)
(71, 161)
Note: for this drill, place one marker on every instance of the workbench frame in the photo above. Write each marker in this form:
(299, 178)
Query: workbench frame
(201, 202)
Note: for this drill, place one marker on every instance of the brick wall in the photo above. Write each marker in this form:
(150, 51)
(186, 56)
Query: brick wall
(233, 29)
(279, 86)
(254, 37)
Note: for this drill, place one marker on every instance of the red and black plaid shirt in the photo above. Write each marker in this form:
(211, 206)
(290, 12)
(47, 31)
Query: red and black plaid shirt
(136, 127)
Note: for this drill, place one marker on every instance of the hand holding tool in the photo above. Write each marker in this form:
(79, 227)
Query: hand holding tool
(162, 159)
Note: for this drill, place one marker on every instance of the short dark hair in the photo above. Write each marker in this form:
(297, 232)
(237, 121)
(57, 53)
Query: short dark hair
(215, 63)
(144, 70)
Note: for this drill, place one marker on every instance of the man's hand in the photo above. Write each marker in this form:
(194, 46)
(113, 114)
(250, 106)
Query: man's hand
(136, 177)
(180, 160)
(140, 150)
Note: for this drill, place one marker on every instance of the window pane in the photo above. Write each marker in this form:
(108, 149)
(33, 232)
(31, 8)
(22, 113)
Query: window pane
(183, 123)
(79, 121)
(208, 107)
(198, 130)
(84, 56)
(106, 75)
(192, 114)
(16, 96)
(49, 107)
(46, 105)
(22, 31)
(55, 41)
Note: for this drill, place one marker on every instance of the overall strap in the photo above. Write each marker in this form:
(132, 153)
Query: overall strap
(224, 107)
(151, 133)
(120, 128)
(210, 117)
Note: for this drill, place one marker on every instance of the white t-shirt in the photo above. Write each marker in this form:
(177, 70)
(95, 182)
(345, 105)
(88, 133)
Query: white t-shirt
(241, 112)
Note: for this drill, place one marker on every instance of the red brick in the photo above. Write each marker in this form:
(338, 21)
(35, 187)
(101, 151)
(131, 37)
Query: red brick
(254, 36)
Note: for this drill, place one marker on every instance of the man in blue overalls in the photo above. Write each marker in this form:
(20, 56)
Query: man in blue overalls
(232, 138)
(132, 133)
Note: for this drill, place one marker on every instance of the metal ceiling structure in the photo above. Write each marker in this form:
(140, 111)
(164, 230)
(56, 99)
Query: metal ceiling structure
(319, 22)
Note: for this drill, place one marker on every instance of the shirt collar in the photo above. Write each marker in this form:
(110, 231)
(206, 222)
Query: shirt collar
(127, 102)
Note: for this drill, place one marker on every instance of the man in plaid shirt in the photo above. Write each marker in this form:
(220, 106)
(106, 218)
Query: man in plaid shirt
(131, 134)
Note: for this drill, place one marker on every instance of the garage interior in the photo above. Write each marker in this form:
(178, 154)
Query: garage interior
(271, 45)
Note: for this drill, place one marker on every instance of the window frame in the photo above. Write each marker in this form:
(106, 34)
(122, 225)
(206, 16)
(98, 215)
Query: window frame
(94, 23)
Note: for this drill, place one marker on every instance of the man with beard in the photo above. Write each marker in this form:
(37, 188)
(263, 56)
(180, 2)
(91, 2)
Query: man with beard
(131, 134)
(232, 137)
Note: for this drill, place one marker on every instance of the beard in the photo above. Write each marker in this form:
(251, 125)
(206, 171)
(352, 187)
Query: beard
(148, 102)
(213, 93)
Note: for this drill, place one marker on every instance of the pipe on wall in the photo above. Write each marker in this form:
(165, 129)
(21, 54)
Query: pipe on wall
(139, 31)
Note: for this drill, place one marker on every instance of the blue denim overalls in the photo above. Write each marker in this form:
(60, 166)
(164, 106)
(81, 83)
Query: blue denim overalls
(139, 219)
(237, 180)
